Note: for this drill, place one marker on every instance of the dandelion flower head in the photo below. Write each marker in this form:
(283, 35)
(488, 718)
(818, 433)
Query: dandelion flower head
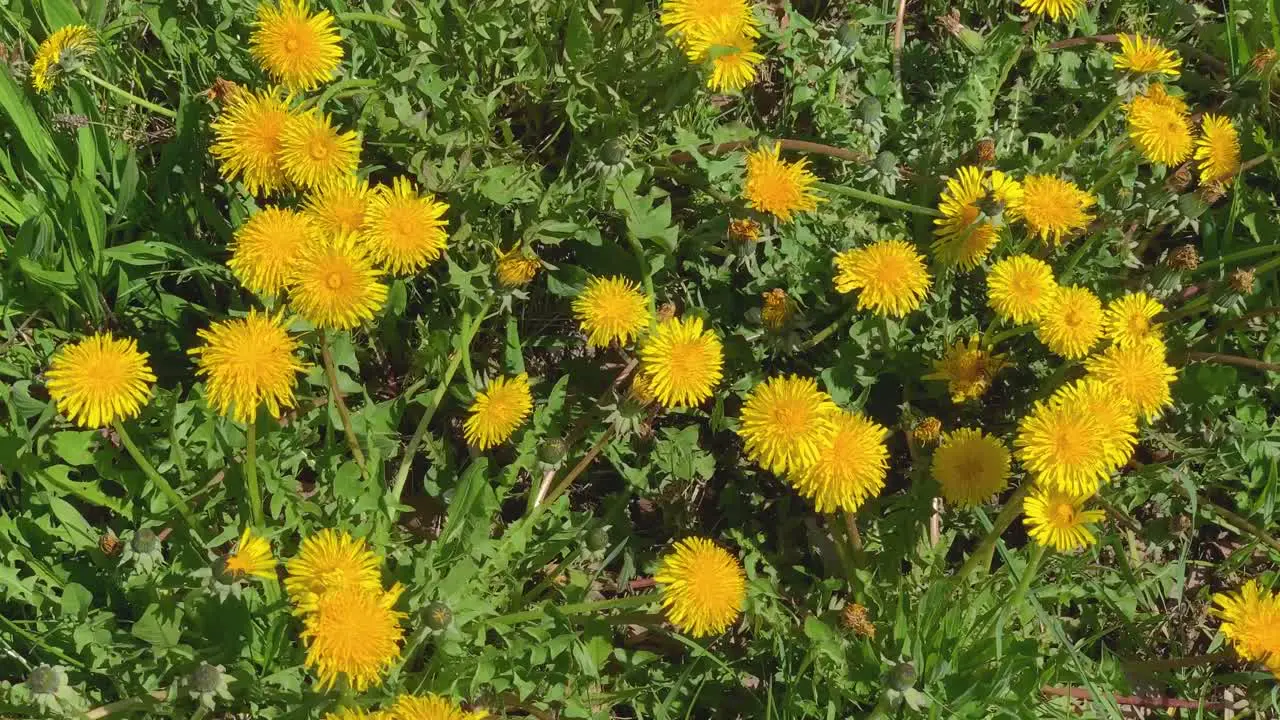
(1018, 288)
(778, 187)
(702, 587)
(1053, 9)
(1251, 623)
(265, 249)
(890, 274)
(1071, 323)
(247, 362)
(426, 707)
(682, 362)
(313, 153)
(338, 207)
(99, 381)
(1067, 446)
(247, 140)
(60, 53)
(777, 310)
(1218, 150)
(610, 309)
(851, 467)
(331, 560)
(1138, 373)
(734, 61)
(968, 369)
(299, 50)
(404, 230)
(516, 267)
(1146, 56)
(497, 411)
(687, 17)
(963, 235)
(1058, 520)
(252, 557)
(1159, 127)
(1115, 417)
(355, 633)
(335, 284)
(970, 466)
(1054, 209)
(786, 423)
(1129, 319)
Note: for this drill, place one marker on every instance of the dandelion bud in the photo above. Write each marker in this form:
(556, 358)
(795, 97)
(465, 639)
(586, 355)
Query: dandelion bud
(666, 312)
(145, 542)
(598, 539)
(206, 683)
(903, 677)
(1211, 193)
(1180, 179)
(870, 109)
(1183, 257)
(777, 310)
(1240, 280)
(985, 151)
(552, 451)
(927, 431)
(438, 616)
(857, 621)
(613, 152)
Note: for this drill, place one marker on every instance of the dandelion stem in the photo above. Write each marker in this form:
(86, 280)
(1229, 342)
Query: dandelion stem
(373, 19)
(38, 643)
(582, 608)
(982, 553)
(1028, 574)
(251, 474)
(646, 275)
(1267, 249)
(331, 371)
(1224, 359)
(1085, 246)
(877, 199)
(128, 95)
(1243, 524)
(128, 705)
(200, 713)
(1107, 109)
(577, 470)
(826, 332)
(1006, 334)
(161, 484)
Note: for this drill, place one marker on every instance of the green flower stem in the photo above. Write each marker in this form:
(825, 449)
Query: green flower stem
(373, 19)
(577, 470)
(158, 480)
(37, 643)
(251, 474)
(1118, 165)
(1028, 574)
(200, 713)
(1010, 333)
(1088, 130)
(877, 199)
(1242, 524)
(982, 553)
(1235, 256)
(127, 705)
(342, 88)
(582, 608)
(826, 332)
(642, 264)
(1085, 245)
(331, 371)
(128, 95)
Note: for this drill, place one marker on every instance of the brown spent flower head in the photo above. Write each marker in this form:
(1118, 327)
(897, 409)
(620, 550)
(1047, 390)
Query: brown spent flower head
(221, 89)
(777, 310)
(1240, 280)
(1179, 179)
(927, 431)
(109, 544)
(744, 230)
(1183, 257)
(1211, 193)
(985, 151)
(1264, 59)
(856, 619)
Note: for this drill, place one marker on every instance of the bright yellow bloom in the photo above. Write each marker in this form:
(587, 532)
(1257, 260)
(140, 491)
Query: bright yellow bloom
(1128, 319)
(1218, 150)
(404, 231)
(335, 284)
(1146, 56)
(730, 46)
(331, 560)
(1076, 439)
(516, 267)
(1054, 9)
(890, 274)
(61, 52)
(1159, 127)
(1071, 323)
(353, 632)
(964, 235)
(777, 310)
(314, 153)
(246, 140)
(298, 50)
(1138, 373)
(684, 17)
(778, 187)
(786, 423)
(1115, 417)
(99, 380)
(426, 707)
(928, 431)
(1251, 623)
(967, 370)
(338, 207)
(1018, 288)
(252, 556)
(681, 362)
(268, 245)
(851, 467)
(610, 309)
(247, 362)
(1054, 209)
(970, 466)
(357, 714)
(497, 411)
(702, 587)
(1006, 193)
(1058, 520)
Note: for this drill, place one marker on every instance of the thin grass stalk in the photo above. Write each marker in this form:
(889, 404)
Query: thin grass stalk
(988, 543)
(877, 199)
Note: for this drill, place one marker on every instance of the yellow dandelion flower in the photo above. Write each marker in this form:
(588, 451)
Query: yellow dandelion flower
(1054, 209)
(61, 52)
(247, 362)
(1128, 319)
(1058, 520)
(778, 187)
(610, 309)
(354, 633)
(313, 153)
(1146, 56)
(516, 268)
(404, 231)
(744, 230)
(1006, 193)
(1053, 9)
(777, 311)
(683, 17)
(246, 140)
(1159, 128)
(298, 50)
(851, 467)
(357, 714)
(252, 556)
(1218, 150)
(1251, 623)
(682, 362)
(265, 249)
(730, 46)
(497, 411)
(1018, 288)
(1071, 323)
(1138, 373)
(964, 235)
(1115, 417)
(331, 560)
(641, 390)
(786, 423)
(426, 707)
(928, 431)
(338, 207)
(335, 284)
(970, 466)
(890, 274)
(967, 370)
(99, 380)
(1066, 446)
(702, 587)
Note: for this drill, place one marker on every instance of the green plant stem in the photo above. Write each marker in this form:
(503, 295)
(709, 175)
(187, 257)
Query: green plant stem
(577, 470)
(1243, 524)
(826, 332)
(1236, 256)
(1088, 130)
(161, 484)
(877, 199)
(988, 543)
(1118, 165)
(127, 705)
(646, 276)
(373, 19)
(1028, 574)
(1085, 246)
(251, 474)
(884, 335)
(331, 371)
(582, 608)
(37, 644)
(342, 88)
(883, 707)
(200, 713)
(127, 95)
(1006, 334)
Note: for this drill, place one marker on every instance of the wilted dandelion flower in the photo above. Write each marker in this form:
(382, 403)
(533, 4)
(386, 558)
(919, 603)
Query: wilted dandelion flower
(99, 380)
(335, 284)
(314, 153)
(610, 309)
(777, 310)
(786, 423)
(1058, 520)
(247, 362)
(338, 207)
(702, 587)
(778, 187)
(265, 249)
(1071, 323)
(970, 466)
(1054, 9)
(1159, 127)
(967, 369)
(890, 274)
(685, 17)
(252, 556)
(1128, 319)
(497, 411)
(1251, 623)
(355, 633)
(964, 236)
(1146, 56)
(1018, 288)
(1218, 150)
(851, 467)
(730, 46)
(516, 268)
(426, 707)
(60, 53)
(928, 431)
(744, 230)
(297, 49)
(403, 229)
(247, 140)
(1053, 208)
(682, 362)
(331, 560)
(1138, 373)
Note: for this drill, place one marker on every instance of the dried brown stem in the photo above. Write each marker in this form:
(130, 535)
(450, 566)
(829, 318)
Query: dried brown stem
(1224, 359)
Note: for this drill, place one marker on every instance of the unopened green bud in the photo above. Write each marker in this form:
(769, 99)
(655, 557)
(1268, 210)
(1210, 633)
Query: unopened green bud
(438, 616)
(598, 539)
(145, 542)
(613, 152)
(903, 677)
(552, 451)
